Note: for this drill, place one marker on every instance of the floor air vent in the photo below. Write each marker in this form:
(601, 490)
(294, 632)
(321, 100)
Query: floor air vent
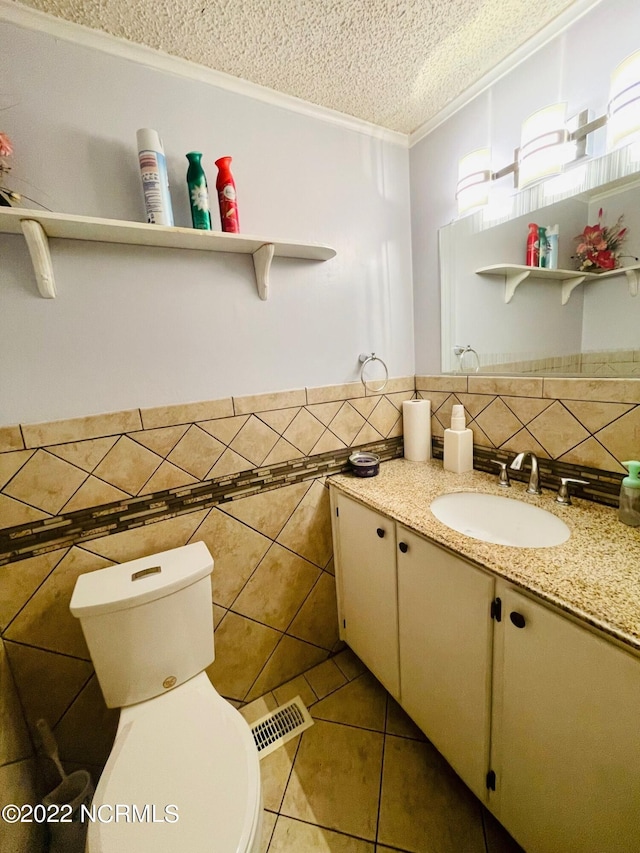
(279, 726)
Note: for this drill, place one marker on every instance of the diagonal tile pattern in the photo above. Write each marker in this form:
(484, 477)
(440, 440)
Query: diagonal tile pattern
(557, 430)
(11, 463)
(304, 431)
(93, 492)
(308, 531)
(347, 423)
(276, 590)
(176, 449)
(196, 452)
(622, 437)
(84, 454)
(275, 613)
(128, 465)
(363, 777)
(45, 482)
(265, 512)
(271, 625)
(45, 620)
(498, 422)
(161, 440)
(255, 440)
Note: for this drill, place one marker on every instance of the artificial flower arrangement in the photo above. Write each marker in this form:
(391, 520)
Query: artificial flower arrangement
(7, 196)
(599, 246)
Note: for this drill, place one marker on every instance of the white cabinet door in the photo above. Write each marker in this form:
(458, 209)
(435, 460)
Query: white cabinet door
(366, 576)
(566, 734)
(446, 643)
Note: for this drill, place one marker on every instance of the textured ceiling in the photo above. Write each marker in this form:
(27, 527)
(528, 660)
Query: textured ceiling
(395, 63)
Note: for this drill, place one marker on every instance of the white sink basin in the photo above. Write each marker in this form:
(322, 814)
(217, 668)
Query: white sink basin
(503, 521)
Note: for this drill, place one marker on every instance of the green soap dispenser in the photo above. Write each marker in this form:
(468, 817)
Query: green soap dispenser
(629, 511)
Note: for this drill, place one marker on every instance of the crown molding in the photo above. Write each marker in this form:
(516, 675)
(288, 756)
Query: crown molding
(544, 36)
(33, 19)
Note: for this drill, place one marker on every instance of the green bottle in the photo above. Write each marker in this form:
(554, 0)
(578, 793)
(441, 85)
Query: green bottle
(198, 192)
(543, 257)
(629, 510)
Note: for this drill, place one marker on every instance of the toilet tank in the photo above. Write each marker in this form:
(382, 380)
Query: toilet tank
(148, 623)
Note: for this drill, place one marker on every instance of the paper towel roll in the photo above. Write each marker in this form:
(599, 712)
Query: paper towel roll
(416, 419)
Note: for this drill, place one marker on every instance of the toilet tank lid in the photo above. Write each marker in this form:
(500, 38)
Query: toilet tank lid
(139, 581)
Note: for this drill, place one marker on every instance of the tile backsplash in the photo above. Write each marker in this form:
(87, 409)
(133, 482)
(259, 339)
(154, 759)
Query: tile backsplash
(586, 422)
(248, 476)
(601, 363)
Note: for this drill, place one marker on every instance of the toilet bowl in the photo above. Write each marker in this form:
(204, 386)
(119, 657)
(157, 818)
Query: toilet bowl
(183, 773)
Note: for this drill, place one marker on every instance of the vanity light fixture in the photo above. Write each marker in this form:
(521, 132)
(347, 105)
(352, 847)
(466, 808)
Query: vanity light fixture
(549, 142)
(623, 114)
(474, 177)
(545, 144)
(548, 145)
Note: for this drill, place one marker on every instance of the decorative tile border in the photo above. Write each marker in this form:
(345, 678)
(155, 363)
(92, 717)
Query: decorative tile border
(67, 481)
(81, 463)
(34, 539)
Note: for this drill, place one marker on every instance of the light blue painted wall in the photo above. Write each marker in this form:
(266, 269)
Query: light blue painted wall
(147, 327)
(574, 67)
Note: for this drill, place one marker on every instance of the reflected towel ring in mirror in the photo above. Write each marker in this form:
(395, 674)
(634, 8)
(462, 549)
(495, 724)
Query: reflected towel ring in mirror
(461, 352)
(365, 359)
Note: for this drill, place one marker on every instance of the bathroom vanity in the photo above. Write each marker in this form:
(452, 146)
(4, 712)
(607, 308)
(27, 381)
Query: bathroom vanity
(521, 665)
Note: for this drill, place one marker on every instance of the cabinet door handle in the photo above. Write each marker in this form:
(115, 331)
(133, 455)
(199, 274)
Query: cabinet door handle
(403, 547)
(518, 619)
(380, 532)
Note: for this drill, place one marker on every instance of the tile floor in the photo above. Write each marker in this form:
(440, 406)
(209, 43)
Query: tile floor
(363, 778)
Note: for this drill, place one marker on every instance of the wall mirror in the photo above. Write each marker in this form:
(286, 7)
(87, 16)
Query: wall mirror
(500, 317)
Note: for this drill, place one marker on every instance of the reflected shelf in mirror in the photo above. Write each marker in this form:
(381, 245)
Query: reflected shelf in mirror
(515, 274)
(547, 329)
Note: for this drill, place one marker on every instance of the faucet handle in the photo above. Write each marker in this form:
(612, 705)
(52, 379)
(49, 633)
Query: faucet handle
(563, 492)
(503, 476)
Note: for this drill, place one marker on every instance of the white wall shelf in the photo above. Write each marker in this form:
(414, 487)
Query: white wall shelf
(515, 274)
(38, 226)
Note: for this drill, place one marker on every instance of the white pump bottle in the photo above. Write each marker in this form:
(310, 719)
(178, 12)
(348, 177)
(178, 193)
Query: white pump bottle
(458, 443)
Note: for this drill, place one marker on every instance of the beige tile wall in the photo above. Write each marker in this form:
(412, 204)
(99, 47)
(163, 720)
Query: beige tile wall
(273, 589)
(606, 363)
(17, 767)
(593, 422)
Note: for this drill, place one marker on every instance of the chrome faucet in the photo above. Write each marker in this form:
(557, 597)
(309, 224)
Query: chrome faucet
(534, 480)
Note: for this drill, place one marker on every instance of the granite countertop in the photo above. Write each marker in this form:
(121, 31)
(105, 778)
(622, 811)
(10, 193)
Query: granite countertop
(594, 575)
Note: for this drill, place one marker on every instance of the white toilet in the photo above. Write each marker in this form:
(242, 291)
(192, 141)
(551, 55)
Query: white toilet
(181, 750)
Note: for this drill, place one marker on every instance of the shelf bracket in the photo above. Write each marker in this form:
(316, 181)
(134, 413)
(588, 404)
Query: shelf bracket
(262, 263)
(511, 282)
(38, 245)
(633, 275)
(569, 285)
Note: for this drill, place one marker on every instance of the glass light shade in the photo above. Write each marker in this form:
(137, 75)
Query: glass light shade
(498, 209)
(623, 123)
(545, 145)
(474, 177)
(568, 183)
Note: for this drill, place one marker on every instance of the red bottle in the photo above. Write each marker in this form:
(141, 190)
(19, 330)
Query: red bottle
(533, 246)
(227, 196)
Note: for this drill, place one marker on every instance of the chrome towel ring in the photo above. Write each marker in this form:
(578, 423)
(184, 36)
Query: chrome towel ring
(461, 352)
(367, 358)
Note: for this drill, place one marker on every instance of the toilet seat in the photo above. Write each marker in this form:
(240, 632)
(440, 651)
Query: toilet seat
(188, 748)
